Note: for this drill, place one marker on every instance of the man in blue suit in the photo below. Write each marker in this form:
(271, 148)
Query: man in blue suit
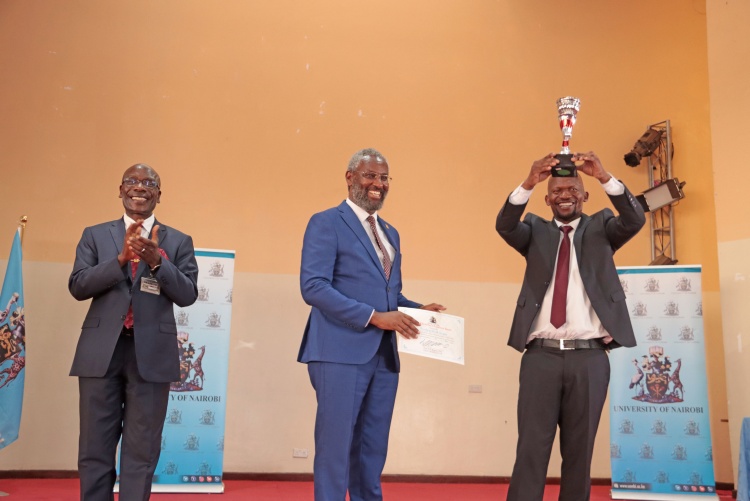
(351, 276)
(134, 270)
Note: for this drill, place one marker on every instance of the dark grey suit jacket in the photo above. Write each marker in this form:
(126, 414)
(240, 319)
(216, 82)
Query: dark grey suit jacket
(98, 276)
(595, 240)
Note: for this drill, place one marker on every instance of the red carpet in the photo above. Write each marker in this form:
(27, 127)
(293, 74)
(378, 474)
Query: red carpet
(238, 490)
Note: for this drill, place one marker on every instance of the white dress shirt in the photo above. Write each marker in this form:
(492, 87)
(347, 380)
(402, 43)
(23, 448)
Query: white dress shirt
(362, 215)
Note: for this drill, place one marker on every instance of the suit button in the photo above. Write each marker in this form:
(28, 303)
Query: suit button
(388, 289)
(122, 317)
(538, 305)
(546, 283)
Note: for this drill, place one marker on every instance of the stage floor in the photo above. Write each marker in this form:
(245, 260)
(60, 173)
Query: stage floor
(242, 490)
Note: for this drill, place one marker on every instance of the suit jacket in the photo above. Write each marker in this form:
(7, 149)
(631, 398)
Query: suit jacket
(97, 275)
(343, 280)
(595, 240)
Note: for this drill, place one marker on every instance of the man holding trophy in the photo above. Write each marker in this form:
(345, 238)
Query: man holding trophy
(570, 312)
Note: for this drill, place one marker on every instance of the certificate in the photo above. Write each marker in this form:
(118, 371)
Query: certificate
(441, 336)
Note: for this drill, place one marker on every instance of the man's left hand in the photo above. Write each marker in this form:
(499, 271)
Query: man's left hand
(147, 249)
(433, 307)
(591, 165)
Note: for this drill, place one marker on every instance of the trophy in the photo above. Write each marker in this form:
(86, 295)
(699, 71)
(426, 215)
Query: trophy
(567, 108)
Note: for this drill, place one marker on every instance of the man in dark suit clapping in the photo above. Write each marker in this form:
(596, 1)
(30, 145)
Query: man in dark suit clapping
(134, 270)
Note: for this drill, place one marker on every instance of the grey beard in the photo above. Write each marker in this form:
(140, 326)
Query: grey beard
(359, 197)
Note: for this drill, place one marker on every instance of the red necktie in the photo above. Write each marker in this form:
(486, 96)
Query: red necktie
(386, 257)
(560, 293)
(129, 317)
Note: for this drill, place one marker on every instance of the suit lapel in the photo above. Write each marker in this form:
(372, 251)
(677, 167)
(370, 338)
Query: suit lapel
(554, 243)
(117, 230)
(390, 233)
(578, 236)
(351, 220)
(162, 233)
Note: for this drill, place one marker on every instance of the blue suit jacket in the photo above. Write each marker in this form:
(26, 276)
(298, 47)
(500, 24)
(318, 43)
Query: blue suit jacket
(343, 280)
(98, 276)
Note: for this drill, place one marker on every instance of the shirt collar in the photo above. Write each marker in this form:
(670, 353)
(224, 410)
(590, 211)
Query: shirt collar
(573, 223)
(361, 214)
(148, 223)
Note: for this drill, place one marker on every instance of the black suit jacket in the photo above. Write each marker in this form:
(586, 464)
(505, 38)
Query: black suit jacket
(596, 239)
(98, 276)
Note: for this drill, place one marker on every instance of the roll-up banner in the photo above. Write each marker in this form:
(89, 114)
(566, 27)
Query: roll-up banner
(659, 419)
(192, 444)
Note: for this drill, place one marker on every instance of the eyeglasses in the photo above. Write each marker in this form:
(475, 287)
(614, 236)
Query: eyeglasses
(147, 183)
(372, 176)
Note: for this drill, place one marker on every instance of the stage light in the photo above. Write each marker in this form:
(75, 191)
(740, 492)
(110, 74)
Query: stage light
(644, 147)
(665, 193)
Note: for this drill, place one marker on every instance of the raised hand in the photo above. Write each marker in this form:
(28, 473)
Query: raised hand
(540, 170)
(147, 249)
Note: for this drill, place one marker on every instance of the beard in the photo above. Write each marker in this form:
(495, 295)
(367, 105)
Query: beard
(359, 197)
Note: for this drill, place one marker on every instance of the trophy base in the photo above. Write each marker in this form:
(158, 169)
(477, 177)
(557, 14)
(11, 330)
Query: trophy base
(566, 168)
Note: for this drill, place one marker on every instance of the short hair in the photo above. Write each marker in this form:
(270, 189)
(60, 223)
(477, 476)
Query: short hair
(360, 155)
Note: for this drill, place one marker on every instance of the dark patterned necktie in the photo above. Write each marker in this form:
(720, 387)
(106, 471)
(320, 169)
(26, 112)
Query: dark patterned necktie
(129, 317)
(560, 293)
(386, 257)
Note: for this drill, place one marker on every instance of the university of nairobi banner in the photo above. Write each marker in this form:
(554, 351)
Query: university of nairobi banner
(192, 445)
(659, 421)
(12, 346)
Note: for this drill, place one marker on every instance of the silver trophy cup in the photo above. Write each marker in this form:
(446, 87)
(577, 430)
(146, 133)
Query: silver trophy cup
(567, 109)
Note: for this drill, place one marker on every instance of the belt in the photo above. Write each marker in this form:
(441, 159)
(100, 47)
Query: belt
(127, 331)
(568, 344)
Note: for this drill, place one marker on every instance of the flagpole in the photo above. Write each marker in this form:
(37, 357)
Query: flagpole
(21, 228)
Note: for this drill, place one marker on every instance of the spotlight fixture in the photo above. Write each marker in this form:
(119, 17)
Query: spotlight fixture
(665, 193)
(644, 147)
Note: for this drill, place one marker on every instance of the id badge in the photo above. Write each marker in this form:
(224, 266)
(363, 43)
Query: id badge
(150, 285)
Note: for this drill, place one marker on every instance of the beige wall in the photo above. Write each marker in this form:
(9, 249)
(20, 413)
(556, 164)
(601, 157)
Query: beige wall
(729, 49)
(250, 110)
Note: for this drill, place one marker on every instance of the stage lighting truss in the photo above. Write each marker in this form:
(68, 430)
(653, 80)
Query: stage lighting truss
(662, 218)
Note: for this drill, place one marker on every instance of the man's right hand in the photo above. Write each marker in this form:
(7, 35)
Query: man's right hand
(396, 321)
(133, 231)
(540, 170)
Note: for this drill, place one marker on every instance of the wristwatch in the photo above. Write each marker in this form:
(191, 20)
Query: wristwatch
(155, 269)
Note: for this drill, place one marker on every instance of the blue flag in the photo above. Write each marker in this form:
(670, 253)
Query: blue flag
(12, 346)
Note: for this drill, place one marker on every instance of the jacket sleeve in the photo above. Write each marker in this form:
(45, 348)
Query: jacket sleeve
(510, 227)
(90, 277)
(629, 221)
